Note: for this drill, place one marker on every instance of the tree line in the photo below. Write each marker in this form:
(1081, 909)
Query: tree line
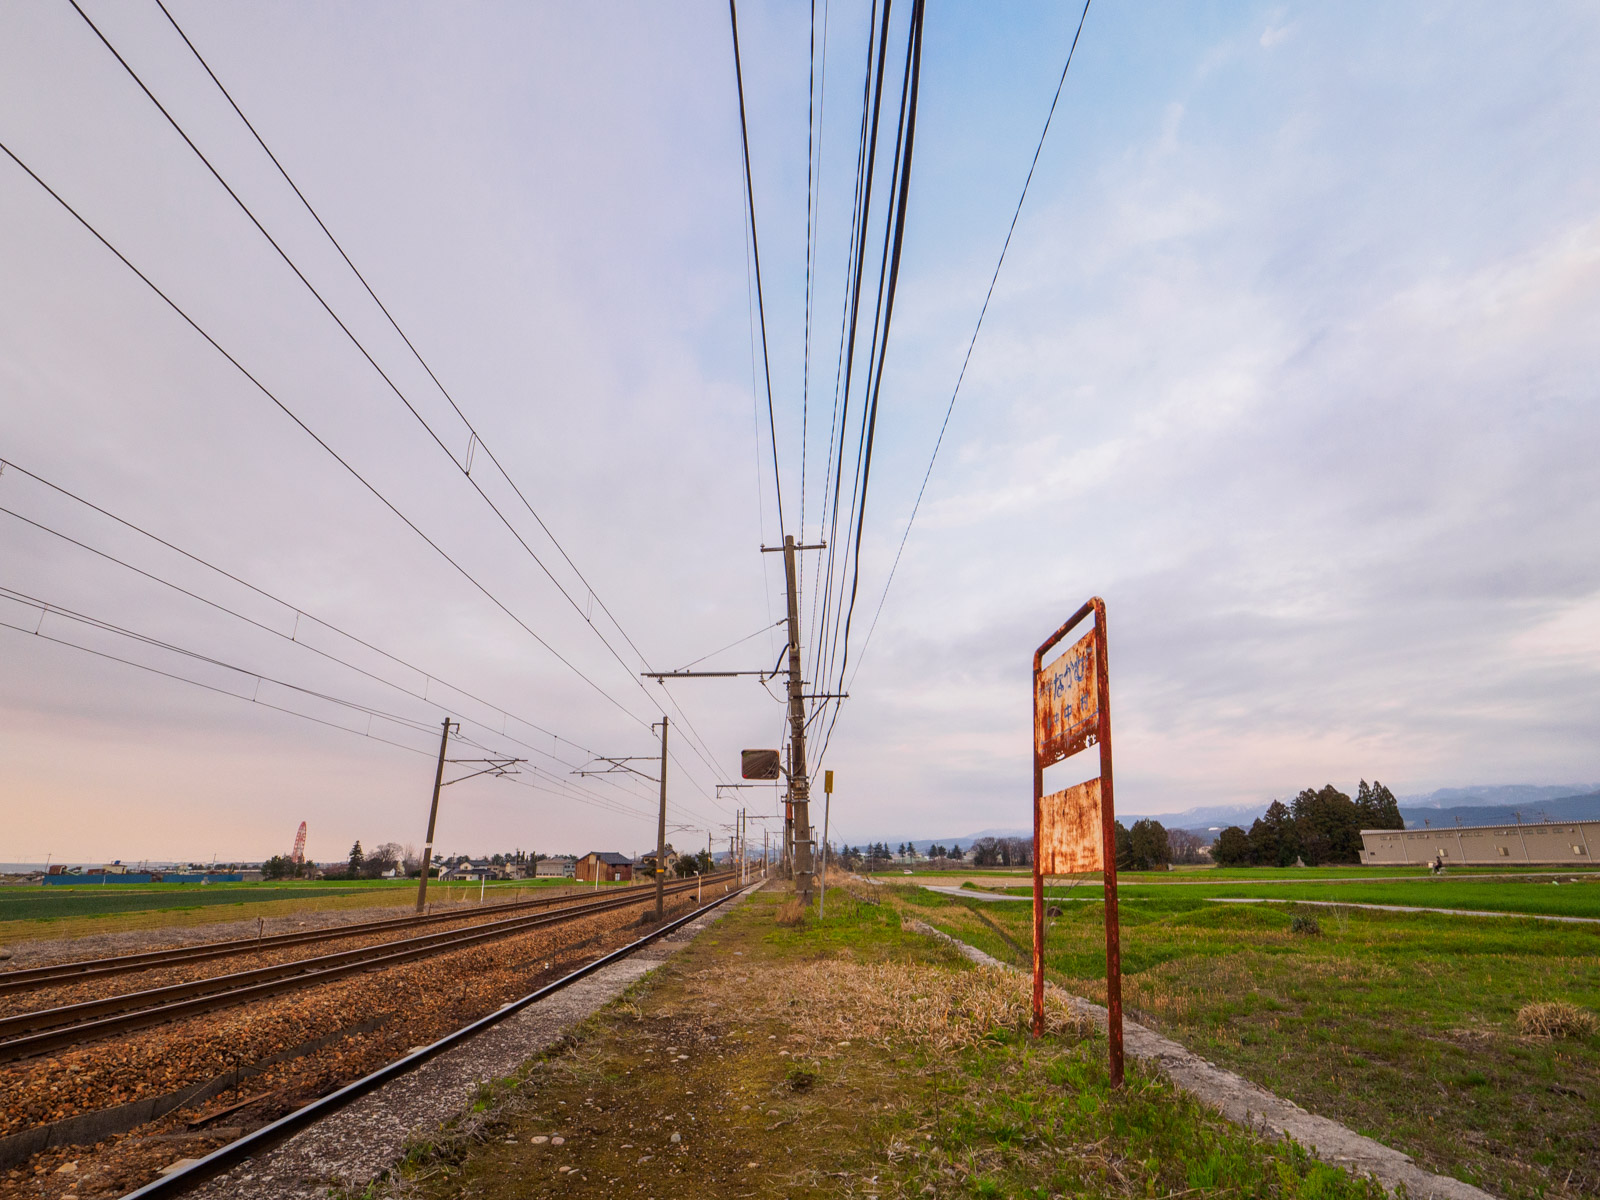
(1316, 827)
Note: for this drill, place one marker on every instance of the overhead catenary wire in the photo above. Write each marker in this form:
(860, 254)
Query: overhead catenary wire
(850, 321)
(844, 559)
(977, 327)
(818, 611)
(48, 609)
(334, 454)
(476, 439)
(896, 229)
(301, 617)
(755, 249)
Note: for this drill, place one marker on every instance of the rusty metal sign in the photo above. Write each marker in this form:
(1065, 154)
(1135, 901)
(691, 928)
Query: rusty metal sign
(1073, 829)
(1066, 715)
(1071, 838)
(758, 764)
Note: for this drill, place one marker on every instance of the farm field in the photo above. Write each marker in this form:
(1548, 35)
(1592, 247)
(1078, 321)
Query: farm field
(31, 913)
(1401, 1025)
(1201, 876)
(849, 1058)
(1511, 895)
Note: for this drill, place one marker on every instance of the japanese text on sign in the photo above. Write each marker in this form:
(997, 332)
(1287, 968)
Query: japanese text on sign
(1067, 709)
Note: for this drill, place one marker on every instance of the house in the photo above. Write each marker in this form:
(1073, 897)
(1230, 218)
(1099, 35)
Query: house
(604, 866)
(644, 867)
(467, 870)
(562, 867)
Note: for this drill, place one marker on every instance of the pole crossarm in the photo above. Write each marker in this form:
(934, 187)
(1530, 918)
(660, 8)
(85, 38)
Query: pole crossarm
(495, 766)
(619, 765)
(702, 674)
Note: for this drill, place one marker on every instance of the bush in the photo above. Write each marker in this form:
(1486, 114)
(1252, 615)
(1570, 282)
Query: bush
(1305, 924)
(1555, 1019)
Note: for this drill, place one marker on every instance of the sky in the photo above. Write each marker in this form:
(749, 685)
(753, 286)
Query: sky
(1291, 360)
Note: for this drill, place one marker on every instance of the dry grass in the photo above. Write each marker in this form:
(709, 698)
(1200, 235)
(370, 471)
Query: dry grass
(1556, 1019)
(791, 913)
(838, 999)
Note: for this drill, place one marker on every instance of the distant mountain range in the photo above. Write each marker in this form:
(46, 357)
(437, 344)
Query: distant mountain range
(1498, 804)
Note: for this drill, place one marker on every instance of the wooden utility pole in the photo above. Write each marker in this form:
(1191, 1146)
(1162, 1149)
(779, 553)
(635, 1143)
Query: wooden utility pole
(433, 816)
(661, 830)
(827, 805)
(799, 807)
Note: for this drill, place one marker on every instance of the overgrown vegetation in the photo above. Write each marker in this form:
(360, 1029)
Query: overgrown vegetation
(1406, 1027)
(847, 1058)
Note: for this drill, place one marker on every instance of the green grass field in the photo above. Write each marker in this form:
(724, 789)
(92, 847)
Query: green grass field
(1400, 1025)
(71, 911)
(1512, 896)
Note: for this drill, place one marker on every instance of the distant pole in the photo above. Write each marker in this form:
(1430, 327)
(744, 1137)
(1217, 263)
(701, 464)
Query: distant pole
(433, 817)
(661, 829)
(827, 805)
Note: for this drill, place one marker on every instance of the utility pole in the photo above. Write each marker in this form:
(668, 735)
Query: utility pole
(433, 815)
(799, 786)
(661, 829)
(827, 806)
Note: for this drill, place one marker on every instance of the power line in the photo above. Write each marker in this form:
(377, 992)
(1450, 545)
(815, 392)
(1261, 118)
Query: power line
(270, 395)
(755, 244)
(972, 341)
(835, 427)
(838, 555)
(894, 237)
(897, 230)
(465, 468)
(300, 615)
(49, 609)
(866, 164)
(476, 437)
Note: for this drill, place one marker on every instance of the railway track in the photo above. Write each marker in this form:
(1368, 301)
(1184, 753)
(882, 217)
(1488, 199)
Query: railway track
(186, 1178)
(44, 1030)
(56, 974)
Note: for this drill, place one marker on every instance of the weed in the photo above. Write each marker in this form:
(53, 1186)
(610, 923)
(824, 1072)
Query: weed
(1306, 924)
(1555, 1019)
(791, 913)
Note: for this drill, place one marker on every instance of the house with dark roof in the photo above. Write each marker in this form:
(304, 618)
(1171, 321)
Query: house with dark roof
(606, 866)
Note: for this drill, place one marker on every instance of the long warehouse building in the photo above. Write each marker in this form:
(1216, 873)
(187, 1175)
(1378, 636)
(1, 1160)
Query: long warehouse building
(1558, 843)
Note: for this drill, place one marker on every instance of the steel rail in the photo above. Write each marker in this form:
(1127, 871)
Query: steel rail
(180, 1181)
(26, 1034)
(53, 974)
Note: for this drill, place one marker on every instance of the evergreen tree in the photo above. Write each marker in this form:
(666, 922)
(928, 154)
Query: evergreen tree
(1378, 807)
(356, 859)
(1147, 846)
(1274, 841)
(1328, 826)
(1232, 848)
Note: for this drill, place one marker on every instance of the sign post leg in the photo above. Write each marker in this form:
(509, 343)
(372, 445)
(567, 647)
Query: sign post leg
(1038, 875)
(1108, 827)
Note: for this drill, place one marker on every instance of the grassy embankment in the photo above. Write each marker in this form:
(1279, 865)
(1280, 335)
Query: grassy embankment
(71, 911)
(1402, 1026)
(853, 1059)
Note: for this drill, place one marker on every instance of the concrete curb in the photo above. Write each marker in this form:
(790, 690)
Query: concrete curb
(1247, 1104)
